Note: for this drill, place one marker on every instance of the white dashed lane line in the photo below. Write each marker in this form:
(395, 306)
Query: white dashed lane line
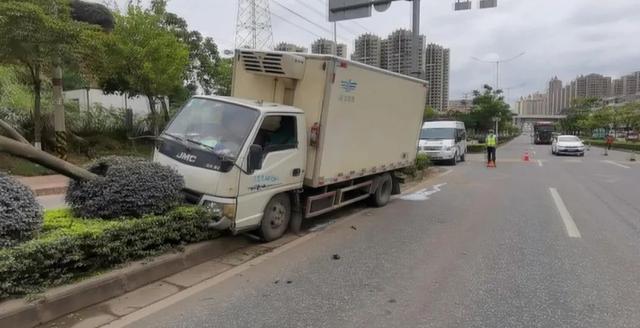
(569, 224)
(617, 164)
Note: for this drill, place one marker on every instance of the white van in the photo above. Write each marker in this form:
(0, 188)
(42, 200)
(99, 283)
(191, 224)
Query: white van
(444, 141)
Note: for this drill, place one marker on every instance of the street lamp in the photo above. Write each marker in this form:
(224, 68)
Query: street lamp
(498, 62)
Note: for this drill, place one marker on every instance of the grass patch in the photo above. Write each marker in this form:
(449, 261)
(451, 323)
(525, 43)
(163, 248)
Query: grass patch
(70, 248)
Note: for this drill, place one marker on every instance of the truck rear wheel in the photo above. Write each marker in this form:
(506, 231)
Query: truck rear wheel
(276, 217)
(382, 195)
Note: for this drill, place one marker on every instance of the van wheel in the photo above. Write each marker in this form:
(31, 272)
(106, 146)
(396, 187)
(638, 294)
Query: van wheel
(382, 195)
(276, 217)
(462, 159)
(454, 160)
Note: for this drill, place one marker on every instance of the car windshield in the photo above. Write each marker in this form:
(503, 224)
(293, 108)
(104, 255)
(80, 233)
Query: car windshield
(568, 139)
(219, 126)
(438, 133)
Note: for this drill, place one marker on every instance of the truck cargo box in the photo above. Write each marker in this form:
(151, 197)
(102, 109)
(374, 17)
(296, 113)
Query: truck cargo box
(366, 120)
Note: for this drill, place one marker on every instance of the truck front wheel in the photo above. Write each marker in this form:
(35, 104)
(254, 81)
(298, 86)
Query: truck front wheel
(382, 195)
(276, 217)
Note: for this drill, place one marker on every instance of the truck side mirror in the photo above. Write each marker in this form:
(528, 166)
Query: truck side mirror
(254, 161)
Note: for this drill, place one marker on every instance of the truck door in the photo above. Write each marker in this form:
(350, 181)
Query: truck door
(282, 138)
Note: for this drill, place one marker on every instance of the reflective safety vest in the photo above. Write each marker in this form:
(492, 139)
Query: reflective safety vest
(491, 140)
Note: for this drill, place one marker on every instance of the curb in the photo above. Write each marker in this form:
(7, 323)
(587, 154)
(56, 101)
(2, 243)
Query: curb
(67, 299)
(50, 191)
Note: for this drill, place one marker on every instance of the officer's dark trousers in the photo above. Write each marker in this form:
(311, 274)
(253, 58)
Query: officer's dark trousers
(491, 154)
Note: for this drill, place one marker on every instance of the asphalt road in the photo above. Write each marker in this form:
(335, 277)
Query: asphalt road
(553, 242)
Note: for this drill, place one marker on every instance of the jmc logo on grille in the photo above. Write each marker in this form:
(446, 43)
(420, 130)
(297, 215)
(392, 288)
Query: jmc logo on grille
(186, 157)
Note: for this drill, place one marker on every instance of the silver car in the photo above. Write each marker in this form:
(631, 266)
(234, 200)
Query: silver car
(567, 144)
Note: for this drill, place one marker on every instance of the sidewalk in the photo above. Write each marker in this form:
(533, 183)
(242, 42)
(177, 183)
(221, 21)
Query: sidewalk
(46, 184)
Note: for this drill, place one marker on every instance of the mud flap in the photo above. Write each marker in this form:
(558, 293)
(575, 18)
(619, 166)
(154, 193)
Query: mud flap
(395, 184)
(295, 222)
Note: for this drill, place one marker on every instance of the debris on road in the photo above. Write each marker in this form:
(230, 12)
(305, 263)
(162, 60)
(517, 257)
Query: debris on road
(354, 228)
(336, 257)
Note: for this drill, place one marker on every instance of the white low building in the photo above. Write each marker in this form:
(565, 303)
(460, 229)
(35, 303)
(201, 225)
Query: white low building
(88, 98)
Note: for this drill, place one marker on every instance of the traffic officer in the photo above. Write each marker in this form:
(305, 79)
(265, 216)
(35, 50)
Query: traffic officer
(491, 142)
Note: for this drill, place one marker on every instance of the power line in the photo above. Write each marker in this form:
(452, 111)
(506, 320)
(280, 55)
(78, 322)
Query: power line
(304, 18)
(296, 25)
(323, 15)
(324, 3)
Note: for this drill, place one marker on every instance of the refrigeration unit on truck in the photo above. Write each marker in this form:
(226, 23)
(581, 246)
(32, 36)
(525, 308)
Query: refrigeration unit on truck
(301, 135)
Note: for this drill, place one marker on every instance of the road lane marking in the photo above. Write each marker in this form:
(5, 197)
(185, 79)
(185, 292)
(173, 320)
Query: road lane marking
(540, 163)
(617, 164)
(423, 194)
(569, 224)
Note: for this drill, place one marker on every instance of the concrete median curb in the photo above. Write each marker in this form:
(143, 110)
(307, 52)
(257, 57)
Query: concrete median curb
(61, 301)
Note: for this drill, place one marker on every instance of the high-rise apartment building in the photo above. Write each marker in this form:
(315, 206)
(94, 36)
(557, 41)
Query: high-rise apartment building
(368, 48)
(328, 47)
(617, 87)
(437, 74)
(593, 86)
(631, 84)
(554, 94)
(290, 47)
(396, 50)
(532, 104)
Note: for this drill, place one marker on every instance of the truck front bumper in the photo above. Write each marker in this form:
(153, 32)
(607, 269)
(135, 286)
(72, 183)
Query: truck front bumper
(221, 224)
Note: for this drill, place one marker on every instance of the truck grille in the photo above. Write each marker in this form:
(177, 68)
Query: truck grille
(192, 197)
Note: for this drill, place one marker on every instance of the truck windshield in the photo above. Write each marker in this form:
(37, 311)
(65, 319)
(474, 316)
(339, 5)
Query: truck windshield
(438, 133)
(214, 125)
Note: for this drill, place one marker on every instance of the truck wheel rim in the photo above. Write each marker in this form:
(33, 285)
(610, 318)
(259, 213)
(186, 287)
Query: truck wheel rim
(277, 215)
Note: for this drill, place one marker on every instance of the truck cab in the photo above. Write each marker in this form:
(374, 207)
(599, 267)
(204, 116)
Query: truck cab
(235, 155)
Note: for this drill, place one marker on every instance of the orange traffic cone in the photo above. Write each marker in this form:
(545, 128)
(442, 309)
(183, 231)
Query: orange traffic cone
(525, 157)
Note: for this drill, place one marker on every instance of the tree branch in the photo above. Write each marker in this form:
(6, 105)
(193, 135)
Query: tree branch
(34, 155)
(13, 134)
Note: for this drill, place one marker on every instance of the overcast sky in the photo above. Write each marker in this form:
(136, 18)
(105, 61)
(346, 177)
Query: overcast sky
(559, 37)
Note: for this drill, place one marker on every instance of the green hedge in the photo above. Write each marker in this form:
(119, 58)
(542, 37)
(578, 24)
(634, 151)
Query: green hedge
(476, 148)
(70, 248)
(422, 163)
(617, 145)
(481, 148)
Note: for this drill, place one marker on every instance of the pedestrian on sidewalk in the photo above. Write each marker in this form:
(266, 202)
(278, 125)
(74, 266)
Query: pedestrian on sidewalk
(491, 142)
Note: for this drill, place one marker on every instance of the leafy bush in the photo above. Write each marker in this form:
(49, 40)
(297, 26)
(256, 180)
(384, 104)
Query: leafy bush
(20, 213)
(422, 162)
(127, 187)
(70, 248)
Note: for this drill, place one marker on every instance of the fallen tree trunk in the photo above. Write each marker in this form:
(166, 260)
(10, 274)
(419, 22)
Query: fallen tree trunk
(30, 153)
(13, 134)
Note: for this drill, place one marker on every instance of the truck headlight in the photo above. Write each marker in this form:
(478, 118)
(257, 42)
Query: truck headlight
(220, 210)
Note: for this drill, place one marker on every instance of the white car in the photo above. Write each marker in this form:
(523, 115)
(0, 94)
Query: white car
(566, 144)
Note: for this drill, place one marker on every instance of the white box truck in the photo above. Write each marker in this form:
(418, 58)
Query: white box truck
(301, 135)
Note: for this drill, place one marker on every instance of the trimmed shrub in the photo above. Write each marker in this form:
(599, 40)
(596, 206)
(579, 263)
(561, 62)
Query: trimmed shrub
(616, 145)
(127, 187)
(72, 248)
(20, 213)
(476, 148)
(422, 162)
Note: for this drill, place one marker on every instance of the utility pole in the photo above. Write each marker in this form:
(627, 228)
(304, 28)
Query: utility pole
(415, 29)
